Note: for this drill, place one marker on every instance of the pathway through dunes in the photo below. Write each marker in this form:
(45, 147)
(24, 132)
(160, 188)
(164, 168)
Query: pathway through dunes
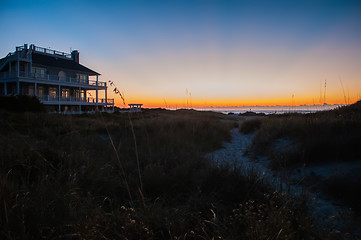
(329, 213)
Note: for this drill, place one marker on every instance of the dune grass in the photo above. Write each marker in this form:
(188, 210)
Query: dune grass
(250, 125)
(137, 176)
(311, 138)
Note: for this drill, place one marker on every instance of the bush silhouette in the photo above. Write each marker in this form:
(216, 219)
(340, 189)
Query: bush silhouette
(21, 103)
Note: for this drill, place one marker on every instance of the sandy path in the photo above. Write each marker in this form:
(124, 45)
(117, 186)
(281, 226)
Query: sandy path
(323, 209)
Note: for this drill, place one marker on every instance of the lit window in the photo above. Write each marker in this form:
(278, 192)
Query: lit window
(53, 93)
(65, 93)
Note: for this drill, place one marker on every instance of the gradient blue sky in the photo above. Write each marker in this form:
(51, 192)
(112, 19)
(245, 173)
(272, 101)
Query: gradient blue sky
(222, 52)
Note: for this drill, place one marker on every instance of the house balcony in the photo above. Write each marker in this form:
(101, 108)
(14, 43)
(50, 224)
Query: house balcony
(70, 100)
(52, 79)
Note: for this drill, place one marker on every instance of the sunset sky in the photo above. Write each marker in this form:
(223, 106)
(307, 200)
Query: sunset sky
(209, 52)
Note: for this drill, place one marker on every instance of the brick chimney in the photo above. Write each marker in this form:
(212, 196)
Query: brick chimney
(75, 56)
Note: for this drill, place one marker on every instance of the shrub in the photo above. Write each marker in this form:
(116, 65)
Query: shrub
(21, 103)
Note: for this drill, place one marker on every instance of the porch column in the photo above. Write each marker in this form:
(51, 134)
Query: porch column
(96, 93)
(36, 89)
(59, 94)
(106, 99)
(80, 100)
(5, 89)
(18, 67)
(18, 74)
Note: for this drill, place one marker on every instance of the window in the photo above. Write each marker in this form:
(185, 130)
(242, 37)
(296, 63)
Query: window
(65, 93)
(31, 91)
(82, 78)
(53, 93)
(40, 91)
(38, 72)
(62, 76)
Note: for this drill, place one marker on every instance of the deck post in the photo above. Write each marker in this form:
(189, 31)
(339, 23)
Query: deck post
(5, 89)
(36, 89)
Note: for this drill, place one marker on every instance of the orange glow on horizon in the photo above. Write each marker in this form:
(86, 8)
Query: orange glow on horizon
(195, 103)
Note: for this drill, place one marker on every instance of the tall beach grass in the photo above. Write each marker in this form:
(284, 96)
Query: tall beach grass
(138, 176)
(296, 139)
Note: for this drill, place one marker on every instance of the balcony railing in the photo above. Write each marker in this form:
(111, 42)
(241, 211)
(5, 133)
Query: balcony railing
(50, 51)
(54, 78)
(44, 50)
(71, 99)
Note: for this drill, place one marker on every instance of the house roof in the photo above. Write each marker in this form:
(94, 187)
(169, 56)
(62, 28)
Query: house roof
(59, 62)
(2, 60)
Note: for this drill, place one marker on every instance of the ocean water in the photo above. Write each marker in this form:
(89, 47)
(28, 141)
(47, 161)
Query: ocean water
(270, 109)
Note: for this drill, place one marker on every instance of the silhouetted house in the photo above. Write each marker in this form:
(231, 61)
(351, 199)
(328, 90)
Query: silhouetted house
(58, 79)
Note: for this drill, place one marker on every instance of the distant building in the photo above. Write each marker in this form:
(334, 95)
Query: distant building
(60, 82)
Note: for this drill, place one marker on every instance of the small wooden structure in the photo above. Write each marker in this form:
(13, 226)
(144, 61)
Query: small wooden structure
(135, 107)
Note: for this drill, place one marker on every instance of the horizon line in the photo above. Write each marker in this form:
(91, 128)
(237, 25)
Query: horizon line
(244, 106)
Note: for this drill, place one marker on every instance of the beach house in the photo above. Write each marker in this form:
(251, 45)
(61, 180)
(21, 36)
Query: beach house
(56, 78)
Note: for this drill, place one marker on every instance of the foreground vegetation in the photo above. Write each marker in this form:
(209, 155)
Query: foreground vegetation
(138, 176)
